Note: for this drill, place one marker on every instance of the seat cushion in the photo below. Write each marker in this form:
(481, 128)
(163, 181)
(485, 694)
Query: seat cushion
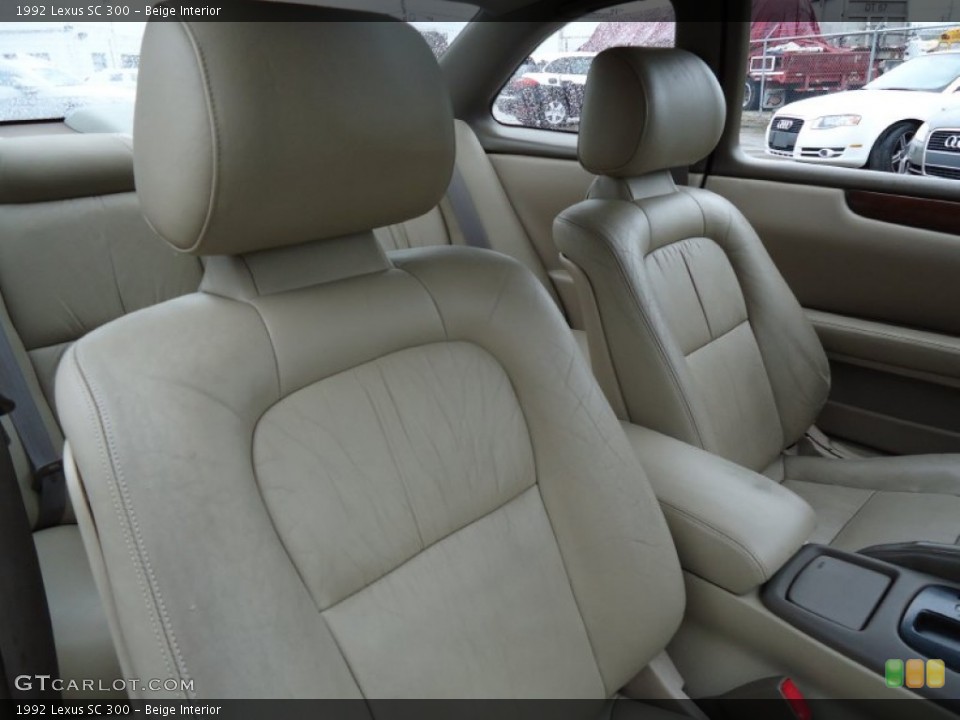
(871, 501)
(84, 648)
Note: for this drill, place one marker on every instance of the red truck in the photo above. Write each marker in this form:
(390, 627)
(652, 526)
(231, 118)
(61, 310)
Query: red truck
(797, 68)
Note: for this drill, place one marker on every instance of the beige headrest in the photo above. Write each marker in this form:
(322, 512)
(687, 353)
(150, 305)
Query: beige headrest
(648, 109)
(45, 168)
(256, 135)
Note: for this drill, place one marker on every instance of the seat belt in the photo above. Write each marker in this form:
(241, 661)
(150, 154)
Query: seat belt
(681, 175)
(45, 461)
(26, 635)
(466, 212)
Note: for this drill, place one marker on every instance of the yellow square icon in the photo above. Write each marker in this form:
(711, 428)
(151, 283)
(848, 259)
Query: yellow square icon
(936, 674)
(914, 677)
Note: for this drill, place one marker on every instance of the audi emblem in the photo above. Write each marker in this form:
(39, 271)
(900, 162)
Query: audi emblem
(784, 124)
(952, 142)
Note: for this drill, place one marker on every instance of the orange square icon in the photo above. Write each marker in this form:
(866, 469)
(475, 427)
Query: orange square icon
(914, 678)
(936, 674)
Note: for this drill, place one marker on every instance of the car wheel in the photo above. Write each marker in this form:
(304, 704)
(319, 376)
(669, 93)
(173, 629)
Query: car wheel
(555, 112)
(889, 151)
(751, 95)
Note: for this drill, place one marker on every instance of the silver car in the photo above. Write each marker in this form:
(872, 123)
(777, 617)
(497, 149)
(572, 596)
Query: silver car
(935, 149)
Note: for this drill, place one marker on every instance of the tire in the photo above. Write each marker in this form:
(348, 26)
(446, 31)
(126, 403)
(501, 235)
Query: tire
(554, 112)
(890, 149)
(751, 95)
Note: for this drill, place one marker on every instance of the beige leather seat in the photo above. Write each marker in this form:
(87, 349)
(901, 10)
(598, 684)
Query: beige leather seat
(330, 473)
(701, 335)
(75, 253)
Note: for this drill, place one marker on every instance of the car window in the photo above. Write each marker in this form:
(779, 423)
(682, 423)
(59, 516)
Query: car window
(48, 70)
(828, 88)
(546, 91)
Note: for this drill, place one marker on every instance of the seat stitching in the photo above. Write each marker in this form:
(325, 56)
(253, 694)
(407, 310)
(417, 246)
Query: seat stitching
(214, 131)
(436, 306)
(723, 536)
(425, 548)
(129, 523)
(723, 247)
(696, 291)
(853, 517)
(573, 593)
(718, 337)
(661, 350)
(356, 680)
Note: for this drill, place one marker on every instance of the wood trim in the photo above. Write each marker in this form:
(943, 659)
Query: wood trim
(922, 213)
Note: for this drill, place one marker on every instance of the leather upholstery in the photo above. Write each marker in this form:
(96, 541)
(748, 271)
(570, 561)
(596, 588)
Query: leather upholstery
(707, 341)
(75, 254)
(59, 167)
(659, 128)
(731, 526)
(708, 344)
(313, 419)
(362, 459)
(872, 501)
(211, 178)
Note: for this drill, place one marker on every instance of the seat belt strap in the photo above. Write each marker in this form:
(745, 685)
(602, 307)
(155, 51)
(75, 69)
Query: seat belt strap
(45, 460)
(26, 635)
(681, 175)
(466, 212)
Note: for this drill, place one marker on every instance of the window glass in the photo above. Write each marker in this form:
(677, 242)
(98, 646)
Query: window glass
(833, 85)
(546, 91)
(48, 70)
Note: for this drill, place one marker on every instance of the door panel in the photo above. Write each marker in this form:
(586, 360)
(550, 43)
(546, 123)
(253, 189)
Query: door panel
(539, 189)
(884, 297)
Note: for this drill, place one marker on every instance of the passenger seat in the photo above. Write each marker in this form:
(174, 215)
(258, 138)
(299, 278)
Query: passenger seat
(334, 473)
(703, 338)
(75, 253)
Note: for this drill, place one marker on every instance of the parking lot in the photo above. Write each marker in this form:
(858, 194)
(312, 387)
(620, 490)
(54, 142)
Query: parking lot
(753, 126)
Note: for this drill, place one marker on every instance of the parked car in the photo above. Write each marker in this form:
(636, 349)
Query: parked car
(935, 148)
(870, 127)
(549, 97)
(29, 92)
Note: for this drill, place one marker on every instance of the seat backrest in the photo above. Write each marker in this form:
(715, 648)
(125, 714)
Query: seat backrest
(503, 229)
(706, 341)
(75, 251)
(330, 472)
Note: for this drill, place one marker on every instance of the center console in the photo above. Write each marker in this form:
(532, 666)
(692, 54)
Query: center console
(873, 611)
(740, 538)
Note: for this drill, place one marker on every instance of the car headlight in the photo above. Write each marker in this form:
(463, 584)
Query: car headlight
(920, 136)
(834, 121)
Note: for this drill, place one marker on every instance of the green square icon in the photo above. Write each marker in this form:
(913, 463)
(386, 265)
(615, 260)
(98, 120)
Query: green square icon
(893, 672)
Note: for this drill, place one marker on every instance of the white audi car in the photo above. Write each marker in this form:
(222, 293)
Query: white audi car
(870, 127)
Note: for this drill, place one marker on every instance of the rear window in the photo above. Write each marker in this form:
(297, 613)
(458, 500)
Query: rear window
(52, 70)
(49, 69)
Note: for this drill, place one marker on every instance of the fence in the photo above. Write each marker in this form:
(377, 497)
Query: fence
(835, 61)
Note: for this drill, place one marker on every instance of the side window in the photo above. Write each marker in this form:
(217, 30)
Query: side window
(835, 89)
(546, 91)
